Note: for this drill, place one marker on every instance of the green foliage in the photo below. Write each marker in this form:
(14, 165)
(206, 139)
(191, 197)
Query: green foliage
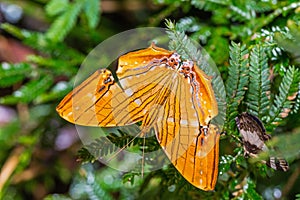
(259, 87)
(111, 144)
(282, 104)
(289, 148)
(11, 74)
(29, 91)
(260, 69)
(39, 42)
(237, 80)
(90, 183)
(67, 15)
(290, 40)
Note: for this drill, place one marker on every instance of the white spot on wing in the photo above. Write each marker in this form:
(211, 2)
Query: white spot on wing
(194, 123)
(123, 82)
(70, 113)
(129, 91)
(138, 102)
(170, 119)
(183, 122)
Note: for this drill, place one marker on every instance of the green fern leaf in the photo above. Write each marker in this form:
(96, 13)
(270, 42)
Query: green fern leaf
(209, 5)
(54, 7)
(15, 31)
(103, 146)
(39, 42)
(237, 81)
(296, 105)
(13, 73)
(57, 92)
(65, 22)
(55, 65)
(29, 91)
(282, 105)
(92, 11)
(84, 156)
(257, 99)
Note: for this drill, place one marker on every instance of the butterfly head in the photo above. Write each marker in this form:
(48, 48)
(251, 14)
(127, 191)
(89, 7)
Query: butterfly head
(174, 61)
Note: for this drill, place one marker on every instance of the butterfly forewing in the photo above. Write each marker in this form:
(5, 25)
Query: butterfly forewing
(100, 101)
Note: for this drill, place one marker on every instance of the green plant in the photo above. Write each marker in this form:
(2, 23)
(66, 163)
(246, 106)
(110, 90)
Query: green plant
(255, 46)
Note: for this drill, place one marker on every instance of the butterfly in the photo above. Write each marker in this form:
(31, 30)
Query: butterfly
(170, 96)
(254, 137)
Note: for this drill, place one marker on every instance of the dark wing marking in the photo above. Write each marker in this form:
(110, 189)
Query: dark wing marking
(254, 137)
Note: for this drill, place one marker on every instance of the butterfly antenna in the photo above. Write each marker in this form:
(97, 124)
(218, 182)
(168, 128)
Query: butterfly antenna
(124, 147)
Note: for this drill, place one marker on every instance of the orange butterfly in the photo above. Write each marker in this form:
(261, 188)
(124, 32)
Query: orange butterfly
(155, 87)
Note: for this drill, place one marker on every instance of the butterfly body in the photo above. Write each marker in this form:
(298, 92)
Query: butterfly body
(157, 88)
(254, 137)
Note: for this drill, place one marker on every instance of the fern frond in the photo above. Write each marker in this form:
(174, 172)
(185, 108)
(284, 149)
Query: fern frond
(209, 5)
(69, 69)
(106, 145)
(13, 73)
(237, 81)
(39, 42)
(92, 10)
(257, 96)
(282, 105)
(65, 22)
(296, 105)
(29, 91)
(84, 156)
(58, 91)
(55, 7)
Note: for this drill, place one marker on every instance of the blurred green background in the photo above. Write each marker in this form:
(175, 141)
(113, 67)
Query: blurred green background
(255, 45)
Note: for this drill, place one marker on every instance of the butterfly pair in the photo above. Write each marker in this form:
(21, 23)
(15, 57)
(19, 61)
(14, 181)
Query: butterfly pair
(254, 137)
(172, 97)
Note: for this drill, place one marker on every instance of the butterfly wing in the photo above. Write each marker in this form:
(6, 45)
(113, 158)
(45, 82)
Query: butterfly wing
(102, 101)
(254, 137)
(252, 132)
(190, 145)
